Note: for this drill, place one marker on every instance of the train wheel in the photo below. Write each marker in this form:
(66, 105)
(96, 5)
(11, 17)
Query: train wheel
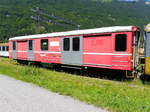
(22, 62)
(130, 74)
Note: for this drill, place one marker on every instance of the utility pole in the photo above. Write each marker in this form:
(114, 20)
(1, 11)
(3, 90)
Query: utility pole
(37, 19)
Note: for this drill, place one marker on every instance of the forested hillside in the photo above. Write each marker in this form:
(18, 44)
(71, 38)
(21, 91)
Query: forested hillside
(15, 15)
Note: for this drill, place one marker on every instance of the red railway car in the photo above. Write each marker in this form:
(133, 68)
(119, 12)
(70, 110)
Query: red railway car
(108, 47)
(4, 50)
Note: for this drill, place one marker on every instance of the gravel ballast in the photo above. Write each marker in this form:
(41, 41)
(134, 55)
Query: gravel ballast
(18, 96)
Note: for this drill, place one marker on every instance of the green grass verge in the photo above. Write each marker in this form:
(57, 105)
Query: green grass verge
(111, 95)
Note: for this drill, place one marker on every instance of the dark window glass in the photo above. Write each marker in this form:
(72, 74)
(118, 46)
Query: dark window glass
(121, 42)
(66, 44)
(3, 48)
(44, 44)
(0, 48)
(14, 45)
(76, 44)
(7, 48)
(30, 45)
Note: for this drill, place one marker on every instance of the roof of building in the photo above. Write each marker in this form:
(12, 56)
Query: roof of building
(3, 44)
(78, 32)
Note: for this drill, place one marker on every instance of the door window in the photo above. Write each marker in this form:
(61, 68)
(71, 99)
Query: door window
(66, 44)
(30, 45)
(14, 45)
(76, 44)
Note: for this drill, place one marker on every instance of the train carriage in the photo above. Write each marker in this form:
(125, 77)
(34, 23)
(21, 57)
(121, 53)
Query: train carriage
(4, 50)
(109, 47)
(147, 50)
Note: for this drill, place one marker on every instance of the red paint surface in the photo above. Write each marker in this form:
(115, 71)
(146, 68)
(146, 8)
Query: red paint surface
(106, 44)
(22, 50)
(93, 44)
(10, 49)
(48, 56)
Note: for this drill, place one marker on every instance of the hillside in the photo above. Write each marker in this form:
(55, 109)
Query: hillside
(15, 15)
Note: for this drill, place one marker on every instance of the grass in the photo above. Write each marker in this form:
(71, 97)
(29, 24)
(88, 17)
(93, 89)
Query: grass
(111, 95)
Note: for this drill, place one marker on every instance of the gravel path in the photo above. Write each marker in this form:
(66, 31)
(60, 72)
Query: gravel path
(17, 96)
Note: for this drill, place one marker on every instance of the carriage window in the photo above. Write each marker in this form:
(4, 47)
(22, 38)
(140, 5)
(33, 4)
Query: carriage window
(0, 48)
(14, 45)
(44, 44)
(3, 48)
(76, 44)
(121, 42)
(66, 44)
(7, 48)
(30, 45)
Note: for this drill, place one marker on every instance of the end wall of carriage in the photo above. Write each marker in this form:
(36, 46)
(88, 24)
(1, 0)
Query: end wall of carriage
(147, 54)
